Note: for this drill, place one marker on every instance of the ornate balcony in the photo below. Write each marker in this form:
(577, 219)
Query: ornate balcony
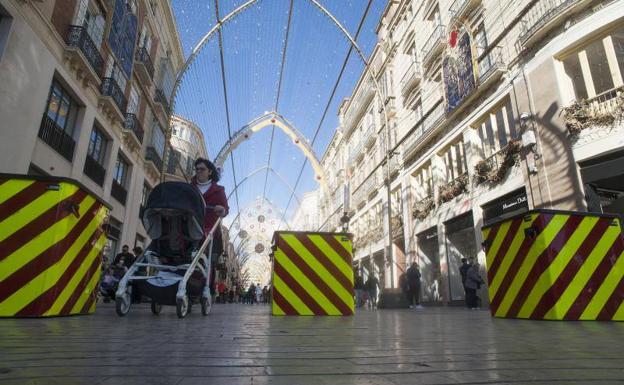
(397, 225)
(57, 138)
(427, 125)
(389, 106)
(544, 16)
(133, 131)
(94, 170)
(119, 192)
(162, 101)
(144, 66)
(84, 55)
(491, 67)
(113, 100)
(434, 45)
(411, 78)
(357, 153)
(153, 161)
(358, 105)
(462, 8)
(423, 207)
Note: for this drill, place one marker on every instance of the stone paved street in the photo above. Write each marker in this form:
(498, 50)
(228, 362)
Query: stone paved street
(241, 344)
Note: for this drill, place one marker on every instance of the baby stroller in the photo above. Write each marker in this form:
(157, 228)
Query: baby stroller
(178, 270)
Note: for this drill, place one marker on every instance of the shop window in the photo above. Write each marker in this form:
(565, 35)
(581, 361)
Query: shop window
(496, 129)
(597, 67)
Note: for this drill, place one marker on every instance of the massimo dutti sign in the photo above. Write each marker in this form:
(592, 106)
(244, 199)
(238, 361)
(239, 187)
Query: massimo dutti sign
(514, 202)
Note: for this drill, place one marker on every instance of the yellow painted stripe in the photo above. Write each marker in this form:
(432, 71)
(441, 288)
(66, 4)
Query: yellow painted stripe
(551, 273)
(290, 296)
(307, 285)
(580, 279)
(12, 187)
(319, 269)
(333, 256)
(608, 286)
(75, 280)
(277, 310)
(50, 236)
(346, 244)
(95, 279)
(486, 232)
(509, 256)
(48, 277)
(539, 245)
(92, 308)
(35, 208)
(496, 243)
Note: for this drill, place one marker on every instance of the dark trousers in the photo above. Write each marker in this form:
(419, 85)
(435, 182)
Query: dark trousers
(471, 298)
(413, 295)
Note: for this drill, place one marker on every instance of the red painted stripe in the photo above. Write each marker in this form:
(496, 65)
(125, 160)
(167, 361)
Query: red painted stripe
(43, 303)
(316, 279)
(518, 259)
(339, 248)
(49, 257)
(504, 247)
(298, 289)
(283, 303)
(37, 225)
(71, 302)
(543, 262)
(21, 199)
(325, 261)
(89, 302)
(552, 295)
(613, 303)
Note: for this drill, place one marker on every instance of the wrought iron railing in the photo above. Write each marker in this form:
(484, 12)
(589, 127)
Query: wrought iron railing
(112, 89)
(57, 138)
(94, 170)
(411, 75)
(152, 155)
(437, 37)
(162, 99)
(423, 207)
(460, 8)
(429, 122)
(119, 192)
(489, 63)
(79, 38)
(132, 124)
(606, 102)
(542, 12)
(143, 57)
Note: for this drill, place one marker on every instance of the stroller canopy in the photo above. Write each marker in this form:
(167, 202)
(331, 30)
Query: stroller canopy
(174, 199)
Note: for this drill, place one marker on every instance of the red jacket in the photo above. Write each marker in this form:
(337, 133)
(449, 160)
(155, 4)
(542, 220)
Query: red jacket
(215, 195)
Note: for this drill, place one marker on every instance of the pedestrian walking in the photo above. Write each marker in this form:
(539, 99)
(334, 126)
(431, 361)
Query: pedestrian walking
(125, 258)
(358, 286)
(463, 271)
(371, 286)
(473, 283)
(413, 284)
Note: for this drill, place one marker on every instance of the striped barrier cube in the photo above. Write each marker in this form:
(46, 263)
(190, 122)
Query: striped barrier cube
(556, 265)
(51, 242)
(312, 274)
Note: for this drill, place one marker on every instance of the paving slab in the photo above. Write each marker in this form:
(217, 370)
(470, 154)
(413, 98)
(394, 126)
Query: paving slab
(243, 344)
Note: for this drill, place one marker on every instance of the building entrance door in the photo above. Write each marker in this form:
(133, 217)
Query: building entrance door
(460, 243)
(603, 180)
(428, 259)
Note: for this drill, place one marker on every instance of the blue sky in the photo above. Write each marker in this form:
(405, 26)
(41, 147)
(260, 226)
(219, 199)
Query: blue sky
(253, 46)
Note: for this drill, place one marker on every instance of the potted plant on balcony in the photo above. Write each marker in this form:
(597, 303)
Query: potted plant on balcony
(485, 170)
(422, 208)
(453, 189)
(579, 115)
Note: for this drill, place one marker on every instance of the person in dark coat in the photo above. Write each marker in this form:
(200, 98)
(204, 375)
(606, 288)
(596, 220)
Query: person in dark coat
(125, 258)
(205, 179)
(413, 284)
(358, 286)
(473, 283)
(463, 271)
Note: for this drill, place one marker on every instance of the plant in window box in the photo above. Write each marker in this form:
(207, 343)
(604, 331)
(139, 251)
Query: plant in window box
(422, 208)
(485, 170)
(452, 189)
(579, 115)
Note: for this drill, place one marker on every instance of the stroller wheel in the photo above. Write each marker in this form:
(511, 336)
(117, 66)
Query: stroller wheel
(122, 305)
(156, 307)
(182, 306)
(206, 306)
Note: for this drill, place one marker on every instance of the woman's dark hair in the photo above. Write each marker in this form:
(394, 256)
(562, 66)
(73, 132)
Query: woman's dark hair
(214, 176)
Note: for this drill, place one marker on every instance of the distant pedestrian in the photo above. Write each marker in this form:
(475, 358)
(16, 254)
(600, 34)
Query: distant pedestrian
(371, 286)
(404, 285)
(413, 283)
(358, 286)
(473, 283)
(463, 270)
(125, 258)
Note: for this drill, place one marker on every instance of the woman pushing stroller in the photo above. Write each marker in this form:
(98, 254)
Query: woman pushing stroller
(205, 179)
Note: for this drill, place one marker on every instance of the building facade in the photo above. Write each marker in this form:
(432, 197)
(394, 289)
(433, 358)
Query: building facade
(480, 110)
(186, 144)
(306, 218)
(84, 93)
